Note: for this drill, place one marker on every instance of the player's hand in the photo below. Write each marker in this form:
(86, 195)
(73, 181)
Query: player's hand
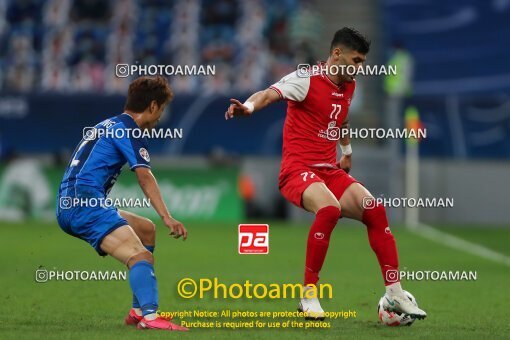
(176, 228)
(345, 163)
(236, 109)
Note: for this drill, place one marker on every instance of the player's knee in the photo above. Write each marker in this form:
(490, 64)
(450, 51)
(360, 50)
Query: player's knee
(148, 233)
(318, 196)
(330, 213)
(329, 203)
(143, 255)
(375, 216)
(334, 203)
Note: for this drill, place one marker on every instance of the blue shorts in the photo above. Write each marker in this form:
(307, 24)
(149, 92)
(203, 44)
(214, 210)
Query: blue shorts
(90, 224)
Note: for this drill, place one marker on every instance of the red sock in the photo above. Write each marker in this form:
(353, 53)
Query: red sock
(318, 241)
(382, 242)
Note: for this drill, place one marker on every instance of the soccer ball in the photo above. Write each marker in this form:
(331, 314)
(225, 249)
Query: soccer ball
(392, 317)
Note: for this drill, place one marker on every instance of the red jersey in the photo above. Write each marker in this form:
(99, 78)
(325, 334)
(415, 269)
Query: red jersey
(316, 109)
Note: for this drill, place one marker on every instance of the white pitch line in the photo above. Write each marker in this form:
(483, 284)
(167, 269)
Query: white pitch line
(460, 244)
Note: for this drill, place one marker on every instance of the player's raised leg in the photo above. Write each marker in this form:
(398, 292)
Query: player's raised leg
(145, 229)
(317, 198)
(357, 203)
(124, 245)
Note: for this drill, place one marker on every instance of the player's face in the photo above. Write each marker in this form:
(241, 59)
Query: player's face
(349, 57)
(154, 114)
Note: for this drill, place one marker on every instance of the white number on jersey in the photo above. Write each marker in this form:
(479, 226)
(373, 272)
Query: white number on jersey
(305, 175)
(336, 111)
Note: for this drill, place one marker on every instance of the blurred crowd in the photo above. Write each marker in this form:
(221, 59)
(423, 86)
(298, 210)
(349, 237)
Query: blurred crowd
(72, 46)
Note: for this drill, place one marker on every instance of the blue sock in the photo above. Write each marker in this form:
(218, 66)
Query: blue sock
(144, 286)
(136, 304)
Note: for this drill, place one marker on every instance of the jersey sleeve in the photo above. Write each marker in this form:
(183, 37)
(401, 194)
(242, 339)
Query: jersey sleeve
(134, 150)
(293, 86)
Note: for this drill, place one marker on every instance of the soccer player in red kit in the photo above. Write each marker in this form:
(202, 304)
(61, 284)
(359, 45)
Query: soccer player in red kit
(310, 176)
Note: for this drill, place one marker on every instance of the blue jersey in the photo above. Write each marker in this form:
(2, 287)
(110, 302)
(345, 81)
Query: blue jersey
(98, 159)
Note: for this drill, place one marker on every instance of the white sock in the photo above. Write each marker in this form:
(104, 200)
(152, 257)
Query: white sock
(394, 289)
(307, 288)
(151, 316)
(138, 311)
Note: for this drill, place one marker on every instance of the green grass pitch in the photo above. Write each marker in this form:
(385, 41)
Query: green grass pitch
(93, 309)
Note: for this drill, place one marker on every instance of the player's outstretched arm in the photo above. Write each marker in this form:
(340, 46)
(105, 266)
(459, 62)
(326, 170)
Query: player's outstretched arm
(151, 190)
(257, 101)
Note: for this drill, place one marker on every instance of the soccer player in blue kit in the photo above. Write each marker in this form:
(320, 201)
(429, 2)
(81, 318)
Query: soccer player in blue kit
(94, 167)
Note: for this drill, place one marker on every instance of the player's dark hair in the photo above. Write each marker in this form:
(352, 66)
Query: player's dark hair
(350, 38)
(142, 91)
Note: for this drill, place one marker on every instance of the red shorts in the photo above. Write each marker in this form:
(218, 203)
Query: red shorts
(294, 181)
